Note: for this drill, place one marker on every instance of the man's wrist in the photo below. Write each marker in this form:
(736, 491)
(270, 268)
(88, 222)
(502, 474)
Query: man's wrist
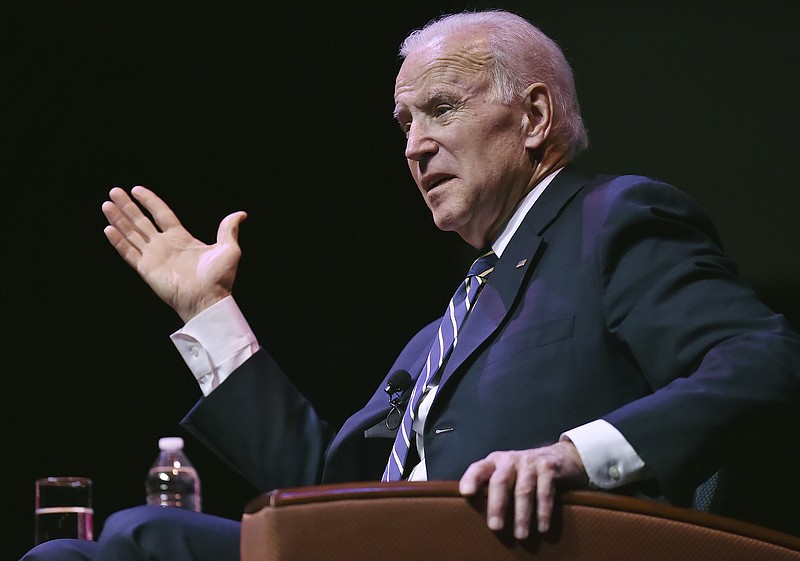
(609, 460)
(215, 342)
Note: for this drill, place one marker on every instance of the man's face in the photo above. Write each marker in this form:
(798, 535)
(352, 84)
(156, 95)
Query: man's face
(466, 153)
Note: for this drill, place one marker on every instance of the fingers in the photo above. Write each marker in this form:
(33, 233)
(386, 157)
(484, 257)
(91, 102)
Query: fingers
(530, 476)
(524, 492)
(545, 496)
(129, 253)
(129, 229)
(158, 209)
(500, 484)
(126, 216)
(121, 231)
(128, 219)
(228, 231)
(476, 475)
(498, 471)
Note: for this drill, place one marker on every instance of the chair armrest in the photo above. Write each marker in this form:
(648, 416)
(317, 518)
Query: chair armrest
(431, 520)
(352, 491)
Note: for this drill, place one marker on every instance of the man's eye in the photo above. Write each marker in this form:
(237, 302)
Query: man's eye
(405, 127)
(441, 109)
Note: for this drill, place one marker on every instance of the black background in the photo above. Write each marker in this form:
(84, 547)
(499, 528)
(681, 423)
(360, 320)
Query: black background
(285, 111)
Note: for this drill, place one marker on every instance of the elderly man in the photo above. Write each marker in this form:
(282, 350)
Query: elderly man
(601, 339)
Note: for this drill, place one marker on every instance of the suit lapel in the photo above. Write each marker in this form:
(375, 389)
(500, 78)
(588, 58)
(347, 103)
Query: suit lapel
(515, 265)
(377, 407)
(497, 297)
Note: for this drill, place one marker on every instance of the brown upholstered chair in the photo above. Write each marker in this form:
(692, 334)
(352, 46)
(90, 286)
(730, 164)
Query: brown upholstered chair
(431, 521)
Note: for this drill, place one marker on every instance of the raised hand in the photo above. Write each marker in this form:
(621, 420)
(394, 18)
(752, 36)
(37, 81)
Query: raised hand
(186, 273)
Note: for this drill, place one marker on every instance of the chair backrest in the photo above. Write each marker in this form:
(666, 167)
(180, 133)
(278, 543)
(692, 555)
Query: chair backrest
(430, 520)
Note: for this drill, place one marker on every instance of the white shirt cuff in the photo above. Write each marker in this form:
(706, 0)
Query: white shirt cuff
(215, 342)
(610, 461)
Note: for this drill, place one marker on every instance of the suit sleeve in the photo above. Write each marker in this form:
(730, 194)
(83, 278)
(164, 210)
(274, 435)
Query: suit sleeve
(261, 426)
(716, 357)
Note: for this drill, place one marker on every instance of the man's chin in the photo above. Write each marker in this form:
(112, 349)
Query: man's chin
(447, 222)
(460, 227)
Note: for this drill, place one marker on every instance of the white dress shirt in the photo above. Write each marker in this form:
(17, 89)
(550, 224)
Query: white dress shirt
(218, 340)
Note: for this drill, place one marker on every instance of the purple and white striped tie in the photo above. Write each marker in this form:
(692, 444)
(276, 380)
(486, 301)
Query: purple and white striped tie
(447, 338)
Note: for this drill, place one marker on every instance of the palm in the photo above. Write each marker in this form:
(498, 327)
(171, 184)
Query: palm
(186, 273)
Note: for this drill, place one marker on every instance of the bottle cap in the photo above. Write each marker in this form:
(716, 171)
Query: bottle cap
(170, 443)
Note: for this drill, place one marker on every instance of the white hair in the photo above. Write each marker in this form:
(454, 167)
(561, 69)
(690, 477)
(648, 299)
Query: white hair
(521, 55)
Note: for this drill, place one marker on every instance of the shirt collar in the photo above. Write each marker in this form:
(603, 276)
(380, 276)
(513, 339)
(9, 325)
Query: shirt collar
(499, 245)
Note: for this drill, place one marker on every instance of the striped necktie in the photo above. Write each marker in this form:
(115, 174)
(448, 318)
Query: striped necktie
(447, 338)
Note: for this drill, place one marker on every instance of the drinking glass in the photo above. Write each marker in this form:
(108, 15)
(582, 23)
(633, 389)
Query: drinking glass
(63, 508)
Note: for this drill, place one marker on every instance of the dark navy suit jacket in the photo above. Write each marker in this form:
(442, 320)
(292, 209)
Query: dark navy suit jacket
(613, 300)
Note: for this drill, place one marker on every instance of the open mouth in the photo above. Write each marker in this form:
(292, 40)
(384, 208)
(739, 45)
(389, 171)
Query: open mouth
(438, 181)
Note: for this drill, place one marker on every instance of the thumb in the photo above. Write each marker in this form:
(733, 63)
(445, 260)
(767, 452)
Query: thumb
(228, 231)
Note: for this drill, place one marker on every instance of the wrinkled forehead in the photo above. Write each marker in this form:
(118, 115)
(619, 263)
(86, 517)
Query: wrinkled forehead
(461, 57)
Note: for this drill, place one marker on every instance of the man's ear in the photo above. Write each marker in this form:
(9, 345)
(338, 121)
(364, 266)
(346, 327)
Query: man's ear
(538, 115)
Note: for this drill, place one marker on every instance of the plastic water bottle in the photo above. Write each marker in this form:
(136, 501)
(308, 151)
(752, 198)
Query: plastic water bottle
(173, 481)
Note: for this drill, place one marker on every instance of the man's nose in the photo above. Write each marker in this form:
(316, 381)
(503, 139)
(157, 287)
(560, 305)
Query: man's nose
(419, 143)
